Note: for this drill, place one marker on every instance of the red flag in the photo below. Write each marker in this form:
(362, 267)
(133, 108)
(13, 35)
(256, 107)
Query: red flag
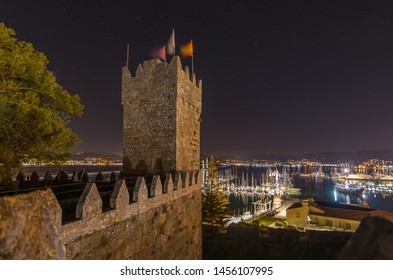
(159, 53)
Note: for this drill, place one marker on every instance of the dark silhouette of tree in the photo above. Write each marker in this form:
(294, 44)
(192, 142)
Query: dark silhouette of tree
(34, 108)
(215, 210)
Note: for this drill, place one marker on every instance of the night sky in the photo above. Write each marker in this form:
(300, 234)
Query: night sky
(278, 76)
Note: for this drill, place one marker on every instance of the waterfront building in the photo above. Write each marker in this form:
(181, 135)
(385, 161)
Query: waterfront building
(331, 215)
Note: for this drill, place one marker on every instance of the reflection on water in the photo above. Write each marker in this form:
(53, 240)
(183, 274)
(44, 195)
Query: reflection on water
(318, 189)
(243, 203)
(323, 189)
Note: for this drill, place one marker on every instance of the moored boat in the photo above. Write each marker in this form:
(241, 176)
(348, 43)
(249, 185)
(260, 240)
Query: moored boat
(292, 191)
(246, 216)
(348, 188)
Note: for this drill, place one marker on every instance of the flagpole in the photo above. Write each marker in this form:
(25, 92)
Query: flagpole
(174, 43)
(192, 59)
(128, 54)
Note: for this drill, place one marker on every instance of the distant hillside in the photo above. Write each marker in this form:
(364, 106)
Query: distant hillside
(323, 157)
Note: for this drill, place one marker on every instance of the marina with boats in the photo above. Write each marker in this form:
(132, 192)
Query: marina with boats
(258, 194)
(256, 191)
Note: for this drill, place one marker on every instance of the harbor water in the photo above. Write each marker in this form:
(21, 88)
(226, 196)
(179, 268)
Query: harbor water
(323, 189)
(318, 188)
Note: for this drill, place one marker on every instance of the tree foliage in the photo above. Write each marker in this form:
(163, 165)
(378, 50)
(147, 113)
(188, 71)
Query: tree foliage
(34, 108)
(215, 208)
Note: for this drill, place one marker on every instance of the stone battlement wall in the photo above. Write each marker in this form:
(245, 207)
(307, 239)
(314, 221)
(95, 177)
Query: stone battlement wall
(159, 220)
(243, 241)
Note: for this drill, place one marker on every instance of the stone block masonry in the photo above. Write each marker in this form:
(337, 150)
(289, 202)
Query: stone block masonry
(162, 107)
(160, 221)
(246, 242)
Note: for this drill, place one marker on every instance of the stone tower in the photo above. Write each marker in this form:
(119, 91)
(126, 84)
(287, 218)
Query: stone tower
(161, 124)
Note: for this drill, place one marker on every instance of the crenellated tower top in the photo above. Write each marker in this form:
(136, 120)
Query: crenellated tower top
(161, 125)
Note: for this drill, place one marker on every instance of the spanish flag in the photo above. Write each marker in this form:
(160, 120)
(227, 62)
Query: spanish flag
(186, 49)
